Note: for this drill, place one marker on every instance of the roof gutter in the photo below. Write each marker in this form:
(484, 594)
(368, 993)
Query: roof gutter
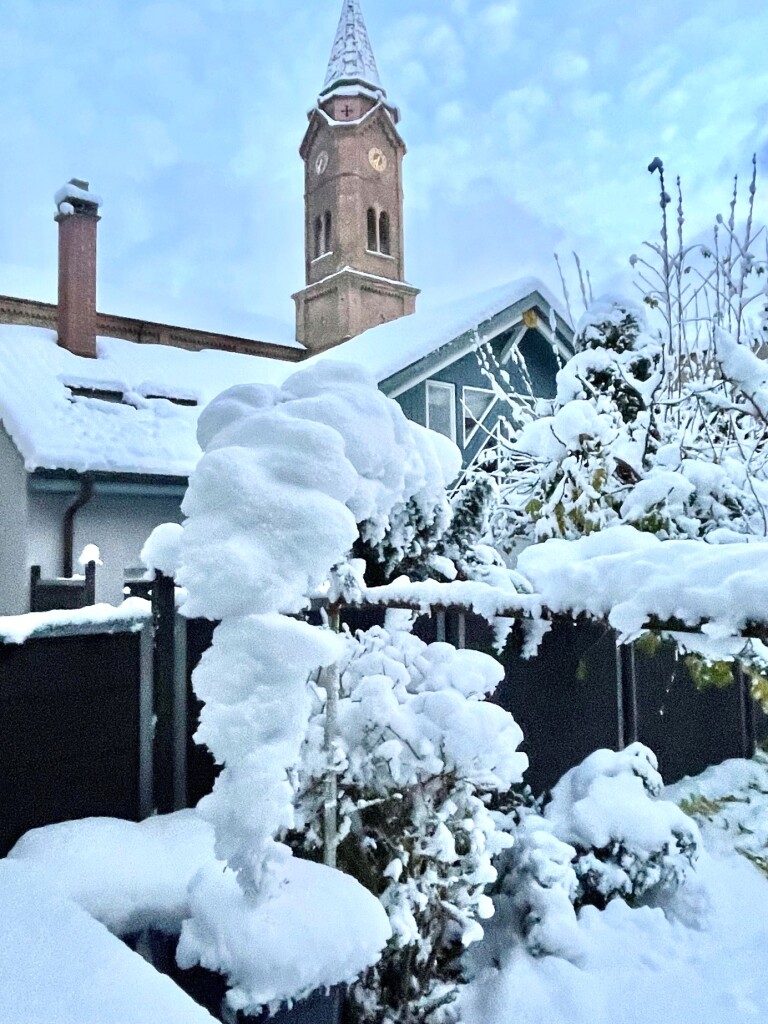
(145, 485)
(86, 486)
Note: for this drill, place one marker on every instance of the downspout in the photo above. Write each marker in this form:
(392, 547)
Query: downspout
(68, 523)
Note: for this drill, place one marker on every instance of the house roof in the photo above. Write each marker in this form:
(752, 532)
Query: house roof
(64, 411)
(134, 409)
(402, 351)
(352, 57)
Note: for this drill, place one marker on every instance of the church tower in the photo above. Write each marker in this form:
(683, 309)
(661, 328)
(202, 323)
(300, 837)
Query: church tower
(353, 198)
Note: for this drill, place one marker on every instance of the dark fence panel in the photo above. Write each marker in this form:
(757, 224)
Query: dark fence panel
(580, 692)
(69, 730)
(688, 728)
(565, 698)
(201, 768)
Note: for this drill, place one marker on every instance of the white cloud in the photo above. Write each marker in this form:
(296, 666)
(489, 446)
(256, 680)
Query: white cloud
(569, 67)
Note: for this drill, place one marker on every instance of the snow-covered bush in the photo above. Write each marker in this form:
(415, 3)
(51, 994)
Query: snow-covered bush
(536, 892)
(274, 504)
(568, 469)
(659, 420)
(418, 753)
(628, 842)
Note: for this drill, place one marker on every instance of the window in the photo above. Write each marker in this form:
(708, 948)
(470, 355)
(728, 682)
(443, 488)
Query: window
(441, 408)
(379, 235)
(318, 249)
(475, 403)
(327, 235)
(384, 246)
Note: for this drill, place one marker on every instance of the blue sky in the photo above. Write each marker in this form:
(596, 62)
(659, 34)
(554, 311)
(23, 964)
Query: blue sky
(529, 123)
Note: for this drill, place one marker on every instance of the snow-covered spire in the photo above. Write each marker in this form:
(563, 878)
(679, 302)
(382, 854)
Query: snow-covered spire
(352, 59)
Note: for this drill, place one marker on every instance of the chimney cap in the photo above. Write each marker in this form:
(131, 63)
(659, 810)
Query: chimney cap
(76, 194)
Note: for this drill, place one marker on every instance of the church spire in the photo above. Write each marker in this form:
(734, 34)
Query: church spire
(352, 60)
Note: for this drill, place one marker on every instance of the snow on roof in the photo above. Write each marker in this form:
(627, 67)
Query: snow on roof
(113, 413)
(386, 349)
(120, 412)
(351, 54)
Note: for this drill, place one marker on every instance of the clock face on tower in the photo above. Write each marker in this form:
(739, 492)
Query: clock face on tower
(321, 162)
(377, 160)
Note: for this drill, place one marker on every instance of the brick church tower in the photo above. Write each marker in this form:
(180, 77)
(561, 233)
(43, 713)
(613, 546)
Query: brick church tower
(353, 196)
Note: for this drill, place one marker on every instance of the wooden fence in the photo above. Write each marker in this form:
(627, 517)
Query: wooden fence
(97, 719)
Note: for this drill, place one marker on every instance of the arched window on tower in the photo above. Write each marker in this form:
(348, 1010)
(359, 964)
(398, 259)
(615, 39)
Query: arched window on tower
(373, 241)
(384, 242)
(328, 231)
(318, 247)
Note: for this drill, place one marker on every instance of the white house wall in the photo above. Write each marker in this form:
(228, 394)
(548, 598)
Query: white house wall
(14, 574)
(118, 524)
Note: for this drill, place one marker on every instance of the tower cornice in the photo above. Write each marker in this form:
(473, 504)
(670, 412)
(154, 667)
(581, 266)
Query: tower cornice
(318, 118)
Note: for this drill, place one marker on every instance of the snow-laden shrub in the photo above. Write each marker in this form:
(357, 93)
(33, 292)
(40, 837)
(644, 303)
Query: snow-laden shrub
(418, 754)
(628, 842)
(660, 419)
(289, 478)
(604, 835)
(570, 465)
(535, 894)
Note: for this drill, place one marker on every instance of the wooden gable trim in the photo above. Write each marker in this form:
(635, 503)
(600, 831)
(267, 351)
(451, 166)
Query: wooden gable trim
(469, 341)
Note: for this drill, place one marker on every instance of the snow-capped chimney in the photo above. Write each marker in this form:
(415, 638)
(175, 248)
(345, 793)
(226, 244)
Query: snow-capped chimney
(77, 216)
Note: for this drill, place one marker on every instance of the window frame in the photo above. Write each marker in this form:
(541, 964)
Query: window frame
(451, 389)
(467, 437)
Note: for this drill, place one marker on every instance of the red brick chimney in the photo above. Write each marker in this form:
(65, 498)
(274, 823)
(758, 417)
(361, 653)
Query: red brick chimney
(77, 217)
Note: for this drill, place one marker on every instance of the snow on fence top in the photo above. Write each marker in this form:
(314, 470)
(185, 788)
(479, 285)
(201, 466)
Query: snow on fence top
(131, 615)
(632, 579)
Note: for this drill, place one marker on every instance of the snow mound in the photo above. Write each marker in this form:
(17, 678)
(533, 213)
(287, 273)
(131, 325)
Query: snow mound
(129, 876)
(162, 549)
(59, 966)
(267, 957)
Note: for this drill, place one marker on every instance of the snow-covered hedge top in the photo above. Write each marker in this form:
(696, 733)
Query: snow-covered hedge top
(627, 576)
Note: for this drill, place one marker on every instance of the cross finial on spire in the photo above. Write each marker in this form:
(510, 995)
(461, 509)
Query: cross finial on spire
(352, 57)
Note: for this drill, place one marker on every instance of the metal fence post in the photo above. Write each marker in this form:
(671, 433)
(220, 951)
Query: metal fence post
(146, 688)
(746, 711)
(164, 685)
(180, 711)
(626, 696)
